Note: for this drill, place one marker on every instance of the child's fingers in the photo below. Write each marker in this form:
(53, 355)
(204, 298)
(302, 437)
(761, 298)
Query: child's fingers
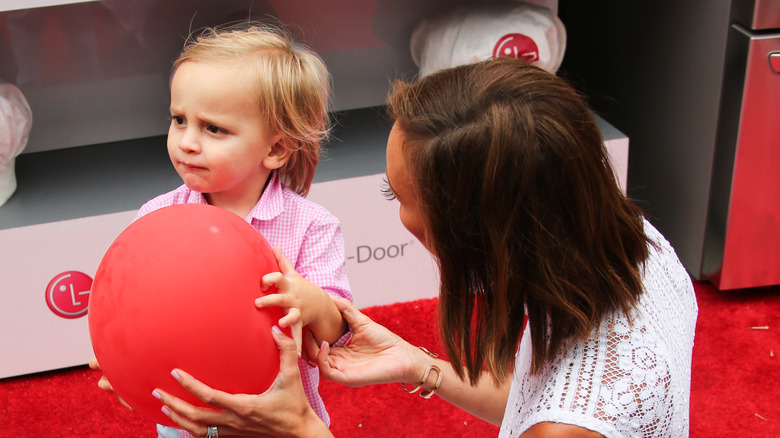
(279, 300)
(275, 279)
(284, 265)
(293, 317)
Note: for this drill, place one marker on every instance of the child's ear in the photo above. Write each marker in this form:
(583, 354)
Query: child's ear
(278, 154)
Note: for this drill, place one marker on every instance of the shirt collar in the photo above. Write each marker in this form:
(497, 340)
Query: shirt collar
(271, 203)
(194, 197)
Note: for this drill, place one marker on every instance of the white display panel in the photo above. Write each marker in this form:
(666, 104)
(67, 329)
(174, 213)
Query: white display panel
(385, 264)
(32, 336)
(13, 5)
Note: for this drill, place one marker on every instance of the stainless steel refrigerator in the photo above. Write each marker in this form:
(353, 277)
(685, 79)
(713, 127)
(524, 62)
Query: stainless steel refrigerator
(742, 236)
(659, 71)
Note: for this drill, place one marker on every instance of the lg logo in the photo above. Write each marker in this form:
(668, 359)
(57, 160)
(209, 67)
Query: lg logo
(67, 294)
(516, 45)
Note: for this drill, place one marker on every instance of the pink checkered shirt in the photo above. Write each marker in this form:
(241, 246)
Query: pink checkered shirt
(310, 238)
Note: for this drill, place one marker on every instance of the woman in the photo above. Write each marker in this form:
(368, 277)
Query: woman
(501, 173)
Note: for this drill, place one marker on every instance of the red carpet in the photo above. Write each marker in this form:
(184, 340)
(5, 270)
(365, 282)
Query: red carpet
(735, 387)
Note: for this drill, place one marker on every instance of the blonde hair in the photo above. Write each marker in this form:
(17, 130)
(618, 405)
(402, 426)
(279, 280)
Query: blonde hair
(292, 84)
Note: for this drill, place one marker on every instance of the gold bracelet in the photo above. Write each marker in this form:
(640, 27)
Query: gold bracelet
(422, 380)
(429, 393)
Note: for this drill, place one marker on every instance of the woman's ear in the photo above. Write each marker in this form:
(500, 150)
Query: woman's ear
(277, 155)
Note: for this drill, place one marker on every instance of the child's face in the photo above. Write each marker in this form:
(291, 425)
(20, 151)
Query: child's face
(217, 140)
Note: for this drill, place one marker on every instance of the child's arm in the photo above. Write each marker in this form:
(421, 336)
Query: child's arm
(306, 303)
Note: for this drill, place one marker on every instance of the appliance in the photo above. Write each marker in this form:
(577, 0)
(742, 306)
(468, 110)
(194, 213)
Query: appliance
(742, 236)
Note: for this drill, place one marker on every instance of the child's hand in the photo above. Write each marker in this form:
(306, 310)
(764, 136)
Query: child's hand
(103, 382)
(301, 299)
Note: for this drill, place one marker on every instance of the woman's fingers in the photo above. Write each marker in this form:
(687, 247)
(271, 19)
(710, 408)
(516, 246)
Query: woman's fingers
(104, 384)
(204, 392)
(297, 332)
(273, 413)
(289, 352)
(309, 346)
(187, 416)
(325, 362)
(217, 398)
(124, 403)
(351, 314)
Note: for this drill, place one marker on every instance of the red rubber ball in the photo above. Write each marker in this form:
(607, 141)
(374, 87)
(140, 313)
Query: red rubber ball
(176, 289)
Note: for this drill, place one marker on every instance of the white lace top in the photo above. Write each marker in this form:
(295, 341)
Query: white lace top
(625, 381)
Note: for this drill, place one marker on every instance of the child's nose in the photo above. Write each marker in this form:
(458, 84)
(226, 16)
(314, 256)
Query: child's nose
(190, 141)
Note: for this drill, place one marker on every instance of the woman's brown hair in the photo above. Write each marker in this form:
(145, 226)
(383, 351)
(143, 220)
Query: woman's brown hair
(522, 211)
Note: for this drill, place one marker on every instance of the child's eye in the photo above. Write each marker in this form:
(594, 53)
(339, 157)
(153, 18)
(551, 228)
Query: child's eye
(178, 120)
(387, 192)
(215, 129)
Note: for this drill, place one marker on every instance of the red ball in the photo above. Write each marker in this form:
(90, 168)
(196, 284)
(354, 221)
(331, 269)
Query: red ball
(176, 289)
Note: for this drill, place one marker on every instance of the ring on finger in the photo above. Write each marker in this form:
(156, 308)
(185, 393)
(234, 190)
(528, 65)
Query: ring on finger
(212, 432)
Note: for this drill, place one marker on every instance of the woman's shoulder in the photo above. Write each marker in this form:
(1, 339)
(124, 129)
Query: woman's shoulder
(627, 375)
(668, 296)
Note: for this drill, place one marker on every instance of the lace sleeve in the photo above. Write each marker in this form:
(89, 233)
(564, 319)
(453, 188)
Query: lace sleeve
(631, 378)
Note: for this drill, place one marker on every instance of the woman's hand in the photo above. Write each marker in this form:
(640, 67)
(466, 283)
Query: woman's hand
(283, 410)
(104, 384)
(373, 355)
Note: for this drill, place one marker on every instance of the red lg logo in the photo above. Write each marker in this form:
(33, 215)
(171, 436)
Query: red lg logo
(516, 45)
(68, 294)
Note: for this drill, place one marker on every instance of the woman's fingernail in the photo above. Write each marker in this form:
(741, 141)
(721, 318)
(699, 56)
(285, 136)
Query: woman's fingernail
(276, 330)
(166, 411)
(311, 364)
(156, 395)
(175, 375)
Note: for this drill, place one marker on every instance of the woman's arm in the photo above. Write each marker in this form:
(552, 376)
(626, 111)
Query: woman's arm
(485, 400)
(376, 355)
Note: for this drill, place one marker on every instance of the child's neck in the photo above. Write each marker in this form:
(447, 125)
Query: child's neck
(241, 200)
(239, 203)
